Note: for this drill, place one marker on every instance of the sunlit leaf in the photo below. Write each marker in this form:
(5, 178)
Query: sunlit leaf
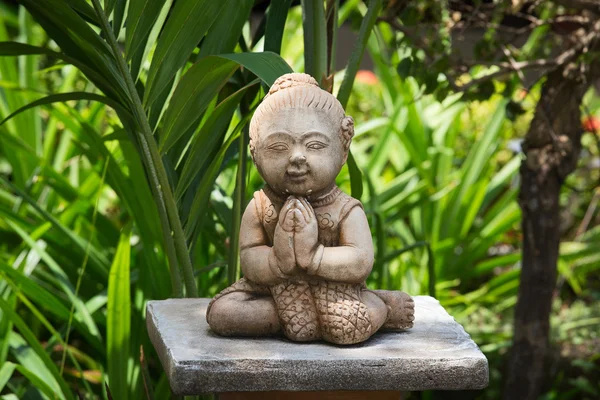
(226, 30)
(195, 90)
(118, 318)
(206, 141)
(267, 66)
(186, 26)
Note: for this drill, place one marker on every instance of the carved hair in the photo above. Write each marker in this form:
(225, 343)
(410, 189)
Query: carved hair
(298, 90)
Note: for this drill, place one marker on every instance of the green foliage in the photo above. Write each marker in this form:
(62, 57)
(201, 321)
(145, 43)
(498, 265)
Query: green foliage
(118, 318)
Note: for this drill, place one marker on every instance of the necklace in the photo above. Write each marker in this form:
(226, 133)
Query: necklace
(322, 200)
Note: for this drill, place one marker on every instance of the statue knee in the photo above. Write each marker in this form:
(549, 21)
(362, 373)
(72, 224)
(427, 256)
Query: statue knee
(218, 317)
(243, 314)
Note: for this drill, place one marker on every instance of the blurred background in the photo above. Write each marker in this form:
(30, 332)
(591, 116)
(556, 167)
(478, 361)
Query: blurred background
(443, 97)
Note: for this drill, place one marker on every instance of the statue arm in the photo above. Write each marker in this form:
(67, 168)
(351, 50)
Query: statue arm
(255, 253)
(352, 260)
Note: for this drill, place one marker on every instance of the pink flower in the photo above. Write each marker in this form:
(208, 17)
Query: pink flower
(591, 124)
(367, 77)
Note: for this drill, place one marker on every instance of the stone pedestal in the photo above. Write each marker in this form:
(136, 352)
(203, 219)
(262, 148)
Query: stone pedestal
(436, 354)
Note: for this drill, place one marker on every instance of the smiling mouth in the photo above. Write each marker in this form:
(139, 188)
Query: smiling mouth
(296, 175)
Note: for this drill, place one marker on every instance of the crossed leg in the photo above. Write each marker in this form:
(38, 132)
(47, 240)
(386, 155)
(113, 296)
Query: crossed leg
(250, 314)
(244, 314)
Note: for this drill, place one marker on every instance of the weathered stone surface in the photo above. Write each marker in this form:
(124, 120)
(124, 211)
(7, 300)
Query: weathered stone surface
(436, 354)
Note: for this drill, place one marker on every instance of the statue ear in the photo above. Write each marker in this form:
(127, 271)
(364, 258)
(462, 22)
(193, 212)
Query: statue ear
(347, 132)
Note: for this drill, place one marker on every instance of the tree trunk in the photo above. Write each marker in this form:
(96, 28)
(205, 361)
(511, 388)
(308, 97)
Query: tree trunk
(551, 147)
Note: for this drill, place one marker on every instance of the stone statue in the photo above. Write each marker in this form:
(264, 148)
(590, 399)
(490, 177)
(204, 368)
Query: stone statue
(305, 246)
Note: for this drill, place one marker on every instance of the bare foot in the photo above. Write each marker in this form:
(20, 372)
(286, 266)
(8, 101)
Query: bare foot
(401, 309)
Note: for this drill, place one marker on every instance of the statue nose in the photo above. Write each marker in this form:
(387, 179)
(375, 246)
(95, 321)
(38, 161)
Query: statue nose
(298, 158)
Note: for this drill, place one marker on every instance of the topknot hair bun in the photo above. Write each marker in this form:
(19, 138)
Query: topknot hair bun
(291, 80)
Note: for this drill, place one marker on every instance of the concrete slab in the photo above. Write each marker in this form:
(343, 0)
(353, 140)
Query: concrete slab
(436, 354)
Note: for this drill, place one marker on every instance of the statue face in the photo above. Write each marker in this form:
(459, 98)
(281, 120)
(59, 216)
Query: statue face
(299, 150)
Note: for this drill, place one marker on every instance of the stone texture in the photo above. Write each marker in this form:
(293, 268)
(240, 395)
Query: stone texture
(436, 354)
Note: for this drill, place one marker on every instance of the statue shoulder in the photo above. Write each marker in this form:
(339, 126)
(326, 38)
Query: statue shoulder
(347, 203)
(265, 209)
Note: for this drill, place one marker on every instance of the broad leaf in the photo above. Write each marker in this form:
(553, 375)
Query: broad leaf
(356, 184)
(276, 16)
(17, 49)
(267, 66)
(366, 27)
(206, 141)
(63, 97)
(61, 278)
(225, 32)
(39, 350)
(77, 39)
(201, 83)
(141, 17)
(5, 373)
(186, 26)
(147, 42)
(48, 301)
(315, 39)
(118, 318)
(202, 195)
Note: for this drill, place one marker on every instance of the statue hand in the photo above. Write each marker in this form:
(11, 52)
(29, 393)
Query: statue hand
(283, 261)
(306, 244)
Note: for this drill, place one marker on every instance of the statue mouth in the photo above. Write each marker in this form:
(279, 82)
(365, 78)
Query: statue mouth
(296, 175)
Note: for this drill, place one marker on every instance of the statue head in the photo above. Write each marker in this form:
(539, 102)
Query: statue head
(300, 136)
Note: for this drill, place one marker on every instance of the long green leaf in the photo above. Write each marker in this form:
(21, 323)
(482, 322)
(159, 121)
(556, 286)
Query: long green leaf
(38, 382)
(73, 23)
(98, 260)
(206, 141)
(267, 66)
(226, 30)
(315, 39)
(77, 39)
(27, 357)
(202, 195)
(188, 23)
(33, 342)
(60, 275)
(22, 72)
(40, 317)
(173, 236)
(63, 97)
(84, 9)
(141, 53)
(22, 49)
(6, 371)
(475, 163)
(118, 318)
(356, 182)
(276, 16)
(359, 49)
(48, 301)
(141, 17)
(201, 83)
(239, 205)
(100, 80)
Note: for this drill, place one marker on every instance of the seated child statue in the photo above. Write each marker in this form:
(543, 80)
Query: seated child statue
(305, 246)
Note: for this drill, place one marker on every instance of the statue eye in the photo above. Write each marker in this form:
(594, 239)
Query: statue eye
(316, 145)
(278, 146)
